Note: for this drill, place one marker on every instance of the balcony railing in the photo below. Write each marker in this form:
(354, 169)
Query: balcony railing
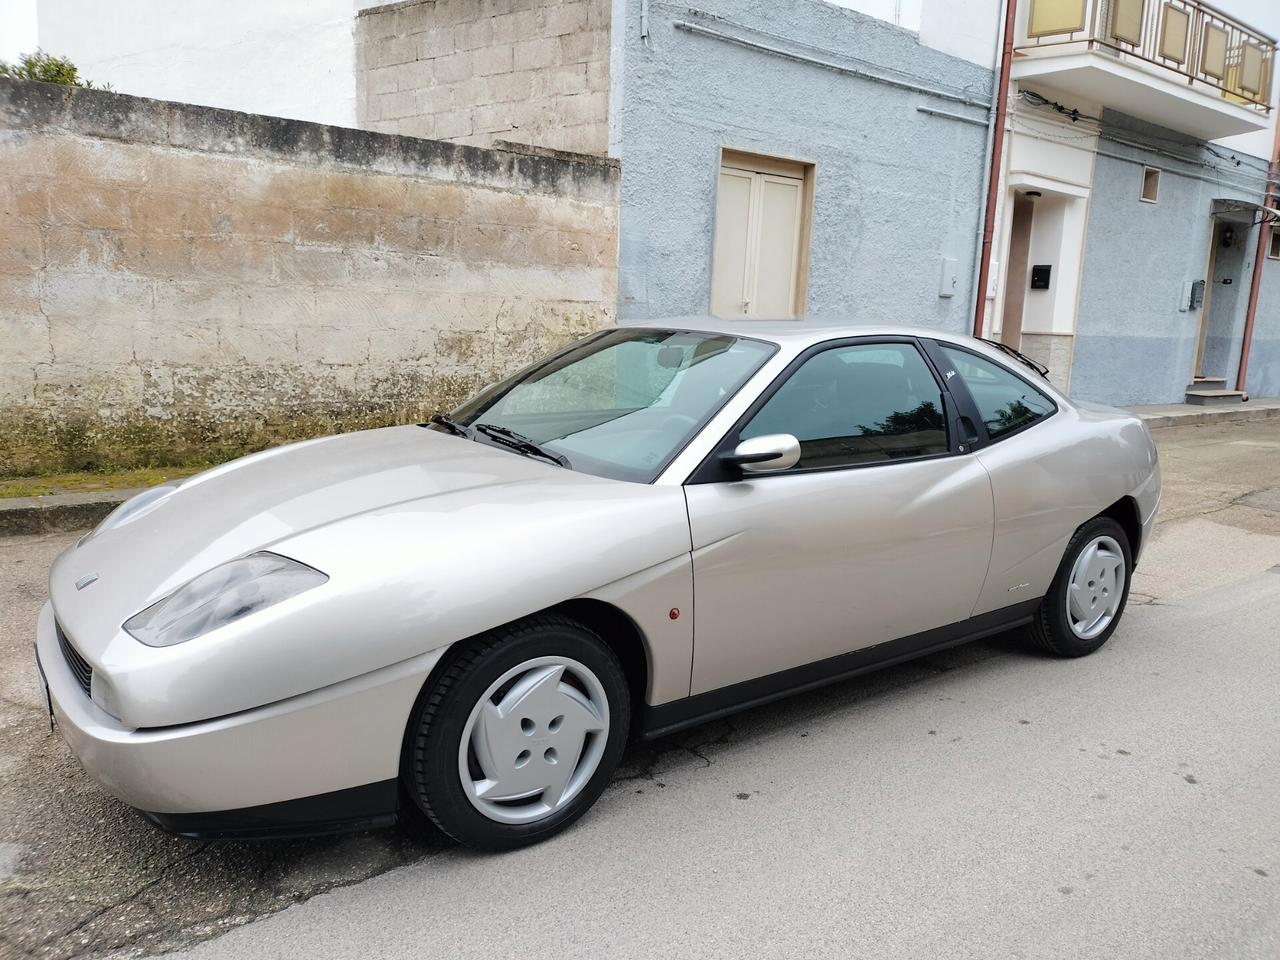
(1192, 40)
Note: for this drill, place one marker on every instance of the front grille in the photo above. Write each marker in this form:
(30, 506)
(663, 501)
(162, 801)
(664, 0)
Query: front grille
(80, 668)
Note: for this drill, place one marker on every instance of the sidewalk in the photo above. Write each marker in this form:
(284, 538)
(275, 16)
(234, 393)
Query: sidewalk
(77, 511)
(1182, 414)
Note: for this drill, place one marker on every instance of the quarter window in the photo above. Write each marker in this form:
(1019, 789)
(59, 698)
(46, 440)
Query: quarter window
(1005, 402)
(866, 403)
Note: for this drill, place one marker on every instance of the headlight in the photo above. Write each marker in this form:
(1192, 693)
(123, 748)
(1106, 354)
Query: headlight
(221, 596)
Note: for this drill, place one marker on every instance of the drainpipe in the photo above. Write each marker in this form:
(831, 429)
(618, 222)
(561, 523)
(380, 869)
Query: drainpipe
(993, 171)
(1259, 258)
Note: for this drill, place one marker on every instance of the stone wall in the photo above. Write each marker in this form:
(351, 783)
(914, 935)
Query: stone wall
(180, 284)
(529, 71)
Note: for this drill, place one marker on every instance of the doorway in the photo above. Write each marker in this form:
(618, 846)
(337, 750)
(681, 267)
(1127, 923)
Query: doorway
(1223, 300)
(1016, 284)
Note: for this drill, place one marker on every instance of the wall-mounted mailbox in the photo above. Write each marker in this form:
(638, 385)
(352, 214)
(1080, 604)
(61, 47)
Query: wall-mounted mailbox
(1197, 295)
(1040, 276)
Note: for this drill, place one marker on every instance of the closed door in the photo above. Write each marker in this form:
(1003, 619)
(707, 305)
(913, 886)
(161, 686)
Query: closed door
(757, 244)
(879, 532)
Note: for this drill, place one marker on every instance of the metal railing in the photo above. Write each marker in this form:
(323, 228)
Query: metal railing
(1195, 41)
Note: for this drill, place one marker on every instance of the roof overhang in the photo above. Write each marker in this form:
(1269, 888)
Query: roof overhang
(1138, 90)
(1244, 211)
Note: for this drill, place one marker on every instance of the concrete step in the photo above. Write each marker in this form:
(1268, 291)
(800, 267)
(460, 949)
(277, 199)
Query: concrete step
(1206, 398)
(1207, 383)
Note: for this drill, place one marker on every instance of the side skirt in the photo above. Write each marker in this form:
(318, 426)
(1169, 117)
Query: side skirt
(676, 715)
(369, 807)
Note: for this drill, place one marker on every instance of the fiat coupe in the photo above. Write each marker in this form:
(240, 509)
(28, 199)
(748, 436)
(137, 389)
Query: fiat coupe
(652, 527)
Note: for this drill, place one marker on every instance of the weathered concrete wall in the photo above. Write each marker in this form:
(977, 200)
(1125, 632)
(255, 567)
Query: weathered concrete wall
(898, 186)
(1133, 344)
(179, 282)
(528, 71)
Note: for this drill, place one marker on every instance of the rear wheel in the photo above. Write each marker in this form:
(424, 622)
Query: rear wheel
(519, 734)
(1087, 598)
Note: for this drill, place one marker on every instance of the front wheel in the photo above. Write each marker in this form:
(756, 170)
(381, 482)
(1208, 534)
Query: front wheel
(1088, 595)
(519, 734)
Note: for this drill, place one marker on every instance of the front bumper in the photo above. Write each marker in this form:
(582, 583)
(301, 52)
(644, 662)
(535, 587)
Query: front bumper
(326, 756)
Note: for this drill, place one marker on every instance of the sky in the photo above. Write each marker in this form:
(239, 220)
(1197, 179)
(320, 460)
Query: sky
(1264, 15)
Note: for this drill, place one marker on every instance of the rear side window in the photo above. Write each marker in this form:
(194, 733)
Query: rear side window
(1006, 402)
(858, 404)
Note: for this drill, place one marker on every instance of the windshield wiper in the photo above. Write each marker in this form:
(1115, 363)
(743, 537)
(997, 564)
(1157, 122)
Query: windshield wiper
(450, 424)
(1039, 368)
(519, 442)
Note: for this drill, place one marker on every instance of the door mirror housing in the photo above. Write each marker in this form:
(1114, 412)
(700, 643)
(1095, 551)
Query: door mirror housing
(767, 454)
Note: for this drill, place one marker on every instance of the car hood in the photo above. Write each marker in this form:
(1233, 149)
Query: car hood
(426, 539)
(264, 500)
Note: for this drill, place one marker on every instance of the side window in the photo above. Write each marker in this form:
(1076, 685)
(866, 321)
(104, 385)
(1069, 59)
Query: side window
(1005, 401)
(858, 404)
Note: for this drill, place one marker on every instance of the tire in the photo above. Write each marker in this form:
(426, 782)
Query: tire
(507, 712)
(1057, 627)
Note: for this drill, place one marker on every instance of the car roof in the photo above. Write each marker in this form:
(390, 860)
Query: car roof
(793, 333)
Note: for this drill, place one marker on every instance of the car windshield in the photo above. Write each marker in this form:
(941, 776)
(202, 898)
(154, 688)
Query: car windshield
(622, 403)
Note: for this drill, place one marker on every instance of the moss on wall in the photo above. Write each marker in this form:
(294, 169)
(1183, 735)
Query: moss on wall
(35, 442)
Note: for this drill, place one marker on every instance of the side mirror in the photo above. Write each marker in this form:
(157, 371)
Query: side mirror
(767, 454)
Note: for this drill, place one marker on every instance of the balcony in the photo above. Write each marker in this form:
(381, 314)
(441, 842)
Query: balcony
(1181, 64)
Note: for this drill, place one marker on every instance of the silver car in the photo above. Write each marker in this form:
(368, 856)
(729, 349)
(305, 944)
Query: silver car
(653, 527)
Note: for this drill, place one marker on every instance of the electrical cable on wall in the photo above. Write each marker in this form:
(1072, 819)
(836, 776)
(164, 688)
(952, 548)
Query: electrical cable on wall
(1039, 100)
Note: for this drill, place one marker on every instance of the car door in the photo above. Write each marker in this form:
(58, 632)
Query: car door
(1038, 489)
(882, 530)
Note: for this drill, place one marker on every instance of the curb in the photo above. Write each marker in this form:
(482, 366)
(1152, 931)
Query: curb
(58, 512)
(1155, 421)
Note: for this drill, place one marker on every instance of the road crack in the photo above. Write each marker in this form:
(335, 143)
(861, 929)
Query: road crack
(129, 898)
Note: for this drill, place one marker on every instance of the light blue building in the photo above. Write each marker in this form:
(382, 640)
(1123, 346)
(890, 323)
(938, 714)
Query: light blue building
(802, 158)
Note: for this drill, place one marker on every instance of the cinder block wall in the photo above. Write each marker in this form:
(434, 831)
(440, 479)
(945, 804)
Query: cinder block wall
(180, 284)
(529, 71)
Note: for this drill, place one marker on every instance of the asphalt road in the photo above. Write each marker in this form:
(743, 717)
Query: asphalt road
(985, 802)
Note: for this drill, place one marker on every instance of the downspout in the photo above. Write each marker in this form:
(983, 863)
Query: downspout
(997, 134)
(1259, 258)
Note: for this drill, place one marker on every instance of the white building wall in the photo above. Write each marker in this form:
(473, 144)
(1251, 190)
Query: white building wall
(17, 28)
(963, 28)
(288, 58)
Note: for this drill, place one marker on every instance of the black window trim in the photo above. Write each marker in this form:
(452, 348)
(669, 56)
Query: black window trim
(713, 470)
(964, 398)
